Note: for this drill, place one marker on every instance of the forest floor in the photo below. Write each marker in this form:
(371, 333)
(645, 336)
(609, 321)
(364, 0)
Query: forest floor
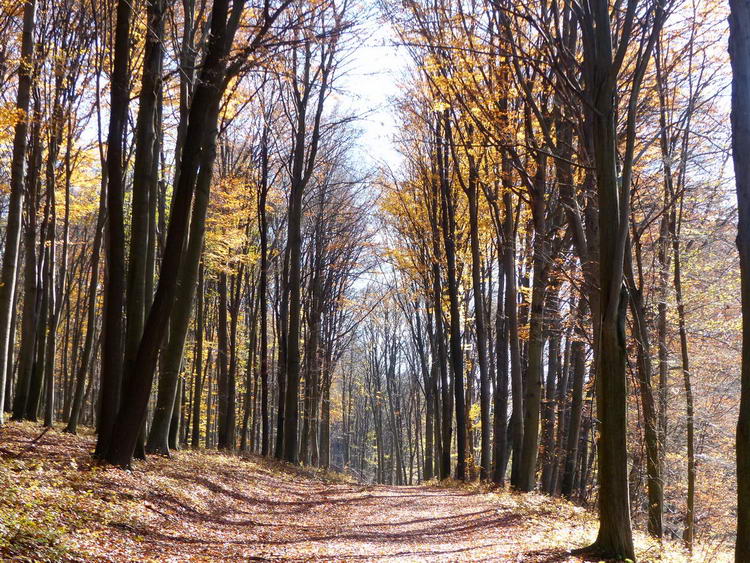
(55, 504)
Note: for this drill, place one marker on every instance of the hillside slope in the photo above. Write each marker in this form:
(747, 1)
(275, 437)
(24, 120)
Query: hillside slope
(56, 505)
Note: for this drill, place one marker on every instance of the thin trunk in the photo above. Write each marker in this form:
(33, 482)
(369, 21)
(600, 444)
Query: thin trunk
(86, 355)
(198, 360)
(689, 532)
(448, 221)
(479, 320)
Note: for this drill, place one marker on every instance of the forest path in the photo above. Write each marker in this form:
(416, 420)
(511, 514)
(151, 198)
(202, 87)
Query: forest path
(253, 509)
(349, 522)
(204, 506)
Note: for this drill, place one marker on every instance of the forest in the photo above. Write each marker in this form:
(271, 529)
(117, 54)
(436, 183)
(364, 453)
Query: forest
(518, 283)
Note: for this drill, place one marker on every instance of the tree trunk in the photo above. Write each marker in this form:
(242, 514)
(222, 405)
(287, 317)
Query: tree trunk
(158, 440)
(479, 320)
(15, 204)
(88, 342)
(615, 537)
(500, 425)
(650, 421)
(201, 129)
(516, 424)
(535, 368)
(263, 296)
(31, 283)
(222, 356)
(198, 359)
(550, 397)
(146, 152)
(448, 220)
(112, 351)
(739, 50)
(578, 367)
(686, 378)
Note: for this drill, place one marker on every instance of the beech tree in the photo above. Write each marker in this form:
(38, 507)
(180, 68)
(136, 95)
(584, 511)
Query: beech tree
(739, 49)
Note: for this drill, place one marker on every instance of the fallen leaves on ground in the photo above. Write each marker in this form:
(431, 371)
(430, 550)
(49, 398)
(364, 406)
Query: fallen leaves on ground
(56, 504)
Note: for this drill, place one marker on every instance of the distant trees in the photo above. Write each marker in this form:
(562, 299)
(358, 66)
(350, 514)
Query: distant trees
(311, 75)
(510, 81)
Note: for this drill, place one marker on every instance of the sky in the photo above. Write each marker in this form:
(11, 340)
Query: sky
(370, 82)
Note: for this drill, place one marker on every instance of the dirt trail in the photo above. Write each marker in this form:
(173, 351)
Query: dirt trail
(252, 510)
(205, 506)
(393, 523)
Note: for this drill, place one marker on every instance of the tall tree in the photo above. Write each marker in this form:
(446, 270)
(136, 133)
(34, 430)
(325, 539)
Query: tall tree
(603, 59)
(739, 51)
(15, 204)
(201, 129)
(112, 349)
(310, 84)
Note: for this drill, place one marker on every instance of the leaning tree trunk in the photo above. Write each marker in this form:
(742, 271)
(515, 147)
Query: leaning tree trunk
(204, 113)
(158, 440)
